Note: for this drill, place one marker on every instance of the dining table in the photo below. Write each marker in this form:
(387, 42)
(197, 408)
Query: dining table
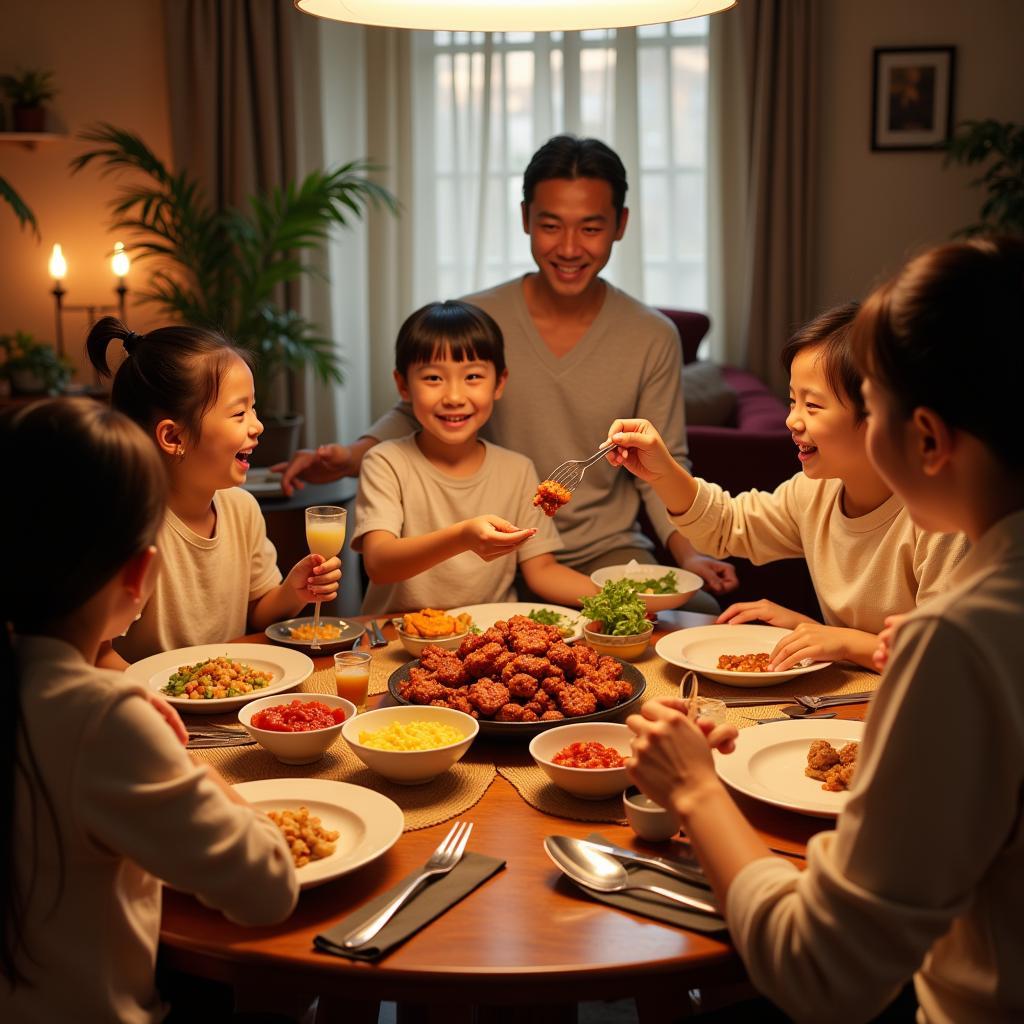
(527, 941)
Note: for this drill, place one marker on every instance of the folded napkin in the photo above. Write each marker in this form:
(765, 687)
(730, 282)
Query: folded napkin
(649, 904)
(474, 869)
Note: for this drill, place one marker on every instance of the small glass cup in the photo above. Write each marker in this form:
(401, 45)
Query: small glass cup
(713, 708)
(352, 676)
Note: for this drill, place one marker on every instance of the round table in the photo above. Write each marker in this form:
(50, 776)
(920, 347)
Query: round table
(525, 937)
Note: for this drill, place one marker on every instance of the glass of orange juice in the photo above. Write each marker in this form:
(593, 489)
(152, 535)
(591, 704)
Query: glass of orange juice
(352, 676)
(325, 534)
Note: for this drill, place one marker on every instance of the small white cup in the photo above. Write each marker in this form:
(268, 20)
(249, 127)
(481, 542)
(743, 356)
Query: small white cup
(647, 819)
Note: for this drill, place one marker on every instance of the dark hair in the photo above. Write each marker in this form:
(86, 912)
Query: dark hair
(831, 331)
(566, 156)
(172, 372)
(459, 329)
(947, 331)
(115, 472)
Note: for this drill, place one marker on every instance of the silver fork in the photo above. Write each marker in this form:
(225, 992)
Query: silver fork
(831, 700)
(441, 861)
(569, 474)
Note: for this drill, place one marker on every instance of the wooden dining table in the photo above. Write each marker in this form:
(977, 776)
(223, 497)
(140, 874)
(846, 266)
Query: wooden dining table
(526, 941)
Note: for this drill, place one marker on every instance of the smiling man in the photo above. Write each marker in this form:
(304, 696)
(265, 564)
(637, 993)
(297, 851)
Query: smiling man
(578, 350)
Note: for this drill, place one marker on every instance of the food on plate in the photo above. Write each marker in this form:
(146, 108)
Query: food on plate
(411, 736)
(667, 584)
(590, 754)
(215, 678)
(550, 497)
(618, 608)
(517, 671)
(306, 632)
(433, 624)
(833, 768)
(298, 716)
(745, 662)
(548, 617)
(307, 839)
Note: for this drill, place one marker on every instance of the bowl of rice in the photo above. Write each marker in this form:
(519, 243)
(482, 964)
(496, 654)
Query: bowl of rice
(410, 744)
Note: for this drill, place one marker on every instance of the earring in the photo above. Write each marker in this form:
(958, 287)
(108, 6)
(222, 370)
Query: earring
(180, 451)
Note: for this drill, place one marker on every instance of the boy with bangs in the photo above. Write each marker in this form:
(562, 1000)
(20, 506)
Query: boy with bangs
(425, 512)
(867, 559)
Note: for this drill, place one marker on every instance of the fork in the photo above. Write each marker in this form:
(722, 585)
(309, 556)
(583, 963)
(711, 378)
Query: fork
(441, 861)
(569, 474)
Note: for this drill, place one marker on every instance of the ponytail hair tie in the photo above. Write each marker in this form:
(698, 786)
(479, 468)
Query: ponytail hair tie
(131, 339)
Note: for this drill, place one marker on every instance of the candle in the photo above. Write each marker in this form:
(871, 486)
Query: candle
(58, 265)
(119, 262)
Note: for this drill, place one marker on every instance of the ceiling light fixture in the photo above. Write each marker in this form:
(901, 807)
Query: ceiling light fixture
(510, 15)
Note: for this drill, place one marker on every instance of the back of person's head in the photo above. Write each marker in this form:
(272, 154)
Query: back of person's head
(170, 373)
(830, 332)
(947, 334)
(87, 494)
(566, 156)
(453, 329)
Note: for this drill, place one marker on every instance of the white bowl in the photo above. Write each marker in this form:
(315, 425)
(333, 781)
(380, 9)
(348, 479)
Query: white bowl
(687, 583)
(410, 767)
(415, 644)
(647, 819)
(587, 783)
(296, 747)
(629, 648)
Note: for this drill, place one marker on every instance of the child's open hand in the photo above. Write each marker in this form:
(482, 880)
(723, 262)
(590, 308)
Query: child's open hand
(639, 447)
(492, 537)
(762, 611)
(815, 641)
(315, 578)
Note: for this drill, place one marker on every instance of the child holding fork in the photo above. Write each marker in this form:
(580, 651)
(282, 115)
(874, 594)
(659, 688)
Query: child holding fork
(436, 510)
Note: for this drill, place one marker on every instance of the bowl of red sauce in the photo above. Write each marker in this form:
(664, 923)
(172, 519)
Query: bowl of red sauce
(297, 728)
(586, 759)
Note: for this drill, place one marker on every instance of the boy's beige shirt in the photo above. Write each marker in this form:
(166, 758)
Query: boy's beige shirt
(863, 569)
(205, 584)
(402, 493)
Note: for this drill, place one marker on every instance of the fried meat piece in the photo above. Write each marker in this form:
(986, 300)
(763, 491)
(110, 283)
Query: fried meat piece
(457, 702)
(451, 672)
(848, 754)
(472, 643)
(610, 692)
(575, 701)
(529, 641)
(425, 693)
(432, 655)
(562, 655)
(522, 685)
(487, 696)
(608, 667)
(552, 716)
(430, 622)
(552, 685)
(839, 777)
(481, 662)
(822, 755)
(512, 712)
(550, 497)
(584, 655)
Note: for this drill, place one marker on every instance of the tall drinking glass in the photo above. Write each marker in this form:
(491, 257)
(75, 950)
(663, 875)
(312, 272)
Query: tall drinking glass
(325, 534)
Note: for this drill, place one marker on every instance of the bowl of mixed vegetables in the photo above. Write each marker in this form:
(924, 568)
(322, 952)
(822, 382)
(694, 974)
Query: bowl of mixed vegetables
(659, 586)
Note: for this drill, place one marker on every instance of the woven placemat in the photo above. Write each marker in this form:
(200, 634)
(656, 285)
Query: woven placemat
(663, 680)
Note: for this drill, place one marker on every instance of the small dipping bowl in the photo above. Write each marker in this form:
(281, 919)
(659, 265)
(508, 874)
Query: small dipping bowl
(647, 819)
(629, 648)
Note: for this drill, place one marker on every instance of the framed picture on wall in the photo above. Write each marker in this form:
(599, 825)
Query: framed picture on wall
(912, 97)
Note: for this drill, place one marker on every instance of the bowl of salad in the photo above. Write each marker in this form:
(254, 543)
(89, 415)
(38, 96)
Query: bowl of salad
(659, 586)
(616, 621)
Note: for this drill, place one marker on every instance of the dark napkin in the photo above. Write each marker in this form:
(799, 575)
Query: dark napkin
(432, 901)
(649, 904)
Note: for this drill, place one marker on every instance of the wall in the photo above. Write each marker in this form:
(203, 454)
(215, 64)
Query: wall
(875, 208)
(109, 65)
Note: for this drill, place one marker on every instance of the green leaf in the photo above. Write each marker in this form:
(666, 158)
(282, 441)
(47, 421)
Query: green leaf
(26, 218)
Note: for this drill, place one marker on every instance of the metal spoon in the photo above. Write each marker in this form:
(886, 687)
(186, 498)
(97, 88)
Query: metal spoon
(591, 869)
(812, 718)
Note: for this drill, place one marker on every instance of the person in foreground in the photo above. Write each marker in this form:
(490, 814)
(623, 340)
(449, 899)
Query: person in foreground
(98, 799)
(415, 493)
(191, 391)
(924, 874)
(866, 556)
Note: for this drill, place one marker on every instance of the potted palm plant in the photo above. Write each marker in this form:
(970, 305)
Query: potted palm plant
(1000, 145)
(28, 91)
(226, 269)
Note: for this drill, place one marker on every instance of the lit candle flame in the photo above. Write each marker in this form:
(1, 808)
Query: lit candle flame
(58, 265)
(120, 262)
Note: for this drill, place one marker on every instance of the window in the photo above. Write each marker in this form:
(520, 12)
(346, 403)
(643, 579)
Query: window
(483, 104)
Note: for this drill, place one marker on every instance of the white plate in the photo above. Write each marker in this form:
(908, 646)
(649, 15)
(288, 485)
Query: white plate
(280, 633)
(769, 761)
(486, 615)
(259, 480)
(288, 668)
(369, 823)
(698, 648)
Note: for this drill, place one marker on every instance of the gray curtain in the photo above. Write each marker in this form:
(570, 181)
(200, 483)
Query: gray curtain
(763, 57)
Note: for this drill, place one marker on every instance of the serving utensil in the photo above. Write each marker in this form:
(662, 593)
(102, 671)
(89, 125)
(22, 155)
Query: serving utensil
(377, 637)
(812, 702)
(441, 861)
(595, 870)
(687, 873)
(804, 717)
(570, 474)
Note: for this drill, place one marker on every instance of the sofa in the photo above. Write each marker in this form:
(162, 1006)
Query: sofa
(751, 448)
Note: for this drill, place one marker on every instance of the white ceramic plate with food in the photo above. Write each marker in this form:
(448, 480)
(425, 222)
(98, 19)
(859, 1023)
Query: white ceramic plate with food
(486, 615)
(699, 648)
(769, 761)
(347, 635)
(259, 480)
(369, 823)
(684, 583)
(286, 668)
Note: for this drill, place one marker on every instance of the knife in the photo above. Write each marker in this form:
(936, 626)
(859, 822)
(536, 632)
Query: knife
(693, 874)
(377, 640)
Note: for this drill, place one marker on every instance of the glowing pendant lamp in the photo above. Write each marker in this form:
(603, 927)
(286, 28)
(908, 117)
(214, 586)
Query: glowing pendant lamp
(510, 15)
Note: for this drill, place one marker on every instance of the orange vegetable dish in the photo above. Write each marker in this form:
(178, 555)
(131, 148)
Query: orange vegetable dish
(550, 497)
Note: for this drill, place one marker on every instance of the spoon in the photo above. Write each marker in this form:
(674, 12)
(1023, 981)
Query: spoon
(592, 869)
(811, 718)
